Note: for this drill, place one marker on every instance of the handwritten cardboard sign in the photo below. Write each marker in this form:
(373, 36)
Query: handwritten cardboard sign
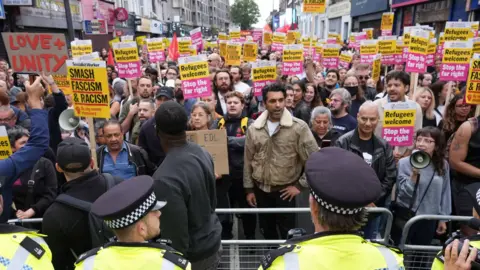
(215, 142)
(37, 52)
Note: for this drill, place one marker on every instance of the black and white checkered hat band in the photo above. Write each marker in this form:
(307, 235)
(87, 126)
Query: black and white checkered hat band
(135, 215)
(478, 197)
(333, 208)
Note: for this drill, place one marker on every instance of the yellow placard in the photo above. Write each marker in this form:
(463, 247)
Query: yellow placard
(279, 38)
(291, 37)
(5, 148)
(184, 46)
(62, 82)
(376, 68)
(331, 52)
(313, 6)
(140, 40)
(89, 83)
(336, 36)
(399, 118)
(460, 34)
(399, 49)
(369, 32)
(235, 35)
(223, 48)
(267, 38)
(234, 53)
(456, 55)
(264, 73)
(292, 55)
(110, 43)
(476, 45)
(155, 46)
(368, 49)
(418, 45)
(166, 42)
(79, 50)
(406, 39)
(126, 54)
(223, 36)
(306, 41)
(250, 52)
(347, 58)
(472, 95)
(432, 48)
(387, 21)
(319, 49)
(195, 70)
(387, 47)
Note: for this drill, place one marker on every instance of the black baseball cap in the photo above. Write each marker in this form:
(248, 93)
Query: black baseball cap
(73, 155)
(165, 91)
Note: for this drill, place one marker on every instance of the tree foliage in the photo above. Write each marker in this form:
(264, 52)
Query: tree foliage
(244, 13)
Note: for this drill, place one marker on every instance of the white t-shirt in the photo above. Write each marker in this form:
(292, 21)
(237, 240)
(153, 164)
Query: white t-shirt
(241, 87)
(223, 103)
(272, 126)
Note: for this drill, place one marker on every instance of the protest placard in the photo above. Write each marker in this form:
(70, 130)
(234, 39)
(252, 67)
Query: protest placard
(195, 78)
(62, 82)
(377, 67)
(406, 41)
(476, 44)
(331, 53)
(368, 50)
(155, 50)
(387, 46)
(263, 74)
(222, 46)
(313, 6)
(369, 32)
(110, 43)
(257, 35)
(431, 50)
(234, 33)
(126, 56)
(267, 38)
(89, 83)
(356, 38)
(81, 47)
(456, 60)
(250, 51)
(292, 36)
(474, 26)
(140, 40)
(197, 39)
(337, 38)
(36, 52)
(387, 23)
(307, 44)
(472, 95)
(345, 59)
(458, 31)
(292, 59)
(215, 142)
(279, 39)
(399, 60)
(5, 148)
(184, 44)
(417, 51)
(223, 36)
(399, 123)
(234, 53)
(317, 52)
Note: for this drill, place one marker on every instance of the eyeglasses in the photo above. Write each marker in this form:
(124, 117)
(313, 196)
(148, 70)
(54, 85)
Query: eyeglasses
(463, 106)
(361, 77)
(172, 74)
(425, 140)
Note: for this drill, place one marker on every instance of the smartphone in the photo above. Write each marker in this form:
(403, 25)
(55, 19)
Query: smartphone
(325, 143)
(30, 76)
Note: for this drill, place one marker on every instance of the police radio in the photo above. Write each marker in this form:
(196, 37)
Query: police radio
(472, 223)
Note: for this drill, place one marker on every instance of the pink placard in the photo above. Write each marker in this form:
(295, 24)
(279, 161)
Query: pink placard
(405, 54)
(430, 60)
(129, 70)
(367, 58)
(308, 51)
(201, 87)
(399, 59)
(257, 35)
(388, 59)
(416, 63)
(398, 136)
(331, 41)
(292, 68)
(343, 64)
(155, 57)
(330, 62)
(197, 40)
(317, 57)
(454, 72)
(386, 32)
(439, 52)
(259, 85)
(277, 47)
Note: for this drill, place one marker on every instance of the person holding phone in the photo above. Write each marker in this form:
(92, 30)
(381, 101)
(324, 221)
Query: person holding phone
(322, 128)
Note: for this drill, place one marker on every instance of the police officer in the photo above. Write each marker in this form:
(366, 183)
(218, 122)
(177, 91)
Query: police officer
(131, 210)
(474, 241)
(339, 192)
(22, 248)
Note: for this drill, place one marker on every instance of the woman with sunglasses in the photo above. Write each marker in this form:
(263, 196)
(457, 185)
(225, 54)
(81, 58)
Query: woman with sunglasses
(457, 112)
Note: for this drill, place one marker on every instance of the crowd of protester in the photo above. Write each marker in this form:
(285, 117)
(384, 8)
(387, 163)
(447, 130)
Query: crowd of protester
(270, 137)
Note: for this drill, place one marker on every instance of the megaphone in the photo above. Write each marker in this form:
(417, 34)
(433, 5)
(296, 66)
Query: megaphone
(68, 121)
(420, 159)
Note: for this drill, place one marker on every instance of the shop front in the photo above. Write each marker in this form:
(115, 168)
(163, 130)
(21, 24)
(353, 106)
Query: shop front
(368, 14)
(339, 20)
(99, 10)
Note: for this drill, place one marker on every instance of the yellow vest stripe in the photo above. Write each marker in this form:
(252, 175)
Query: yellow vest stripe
(89, 262)
(167, 265)
(21, 255)
(389, 258)
(291, 261)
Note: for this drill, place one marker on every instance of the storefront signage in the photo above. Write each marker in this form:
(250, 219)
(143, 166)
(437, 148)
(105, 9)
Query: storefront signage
(17, 2)
(401, 3)
(95, 27)
(338, 10)
(121, 14)
(362, 7)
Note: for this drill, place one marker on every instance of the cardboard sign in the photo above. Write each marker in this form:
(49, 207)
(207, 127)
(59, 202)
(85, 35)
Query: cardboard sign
(197, 39)
(377, 67)
(399, 123)
(89, 83)
(387, 23)
(184, 44)
(417, 51)
(458, 31)
(34, 52)
(431, 50)
(292, 36)
(313, 6)
(250, 50)
(345, 59)
(63, 83)
(317, 52)
(155, 50)
(267, 38)
(279, 39)
(223, 36)
(368, 51)
(195, 77)
(456, 60)
(399, 60)
(369, 32)
(387, 46)
(234, 53)
(234, 33)
(81, 47)
(222, 45)
(263, 74)
(331, 53)
(128, 63)
(473, 83)
(5, 148)
(292, 59)
(215, 142)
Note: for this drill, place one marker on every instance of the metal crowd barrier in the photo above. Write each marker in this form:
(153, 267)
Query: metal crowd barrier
(420, 256)
(246, 254)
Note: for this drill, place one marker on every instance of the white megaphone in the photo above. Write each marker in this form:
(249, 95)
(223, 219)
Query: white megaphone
(420, 159)
(68, 121)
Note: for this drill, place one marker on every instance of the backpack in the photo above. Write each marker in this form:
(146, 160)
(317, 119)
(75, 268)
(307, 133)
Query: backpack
(243, 124)
(99, 232)
(474, 122)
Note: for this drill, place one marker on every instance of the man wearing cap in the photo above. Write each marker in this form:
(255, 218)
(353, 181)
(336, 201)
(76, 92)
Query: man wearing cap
(67, 228)
(339, 193)
(135, 219)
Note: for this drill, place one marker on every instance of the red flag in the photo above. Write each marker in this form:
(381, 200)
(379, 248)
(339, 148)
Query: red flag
(173, 53)
(110, 60)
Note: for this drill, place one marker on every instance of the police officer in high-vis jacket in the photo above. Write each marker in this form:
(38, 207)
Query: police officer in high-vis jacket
(132, 211)
(342, 184)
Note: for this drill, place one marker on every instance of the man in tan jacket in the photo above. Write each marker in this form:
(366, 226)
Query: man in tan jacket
(276, 148)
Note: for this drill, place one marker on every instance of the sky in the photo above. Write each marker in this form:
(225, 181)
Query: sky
(265, 7)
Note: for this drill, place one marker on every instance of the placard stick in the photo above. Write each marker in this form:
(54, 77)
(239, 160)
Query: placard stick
(385, 71)
(448, 97)
(477, 111)
(93, 142)
(311, 38)
(413, 83)
(129, 81)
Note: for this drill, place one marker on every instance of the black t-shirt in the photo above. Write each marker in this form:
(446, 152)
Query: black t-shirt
(429, 122)
(344, 124)
(355, 107)
(367, 150)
